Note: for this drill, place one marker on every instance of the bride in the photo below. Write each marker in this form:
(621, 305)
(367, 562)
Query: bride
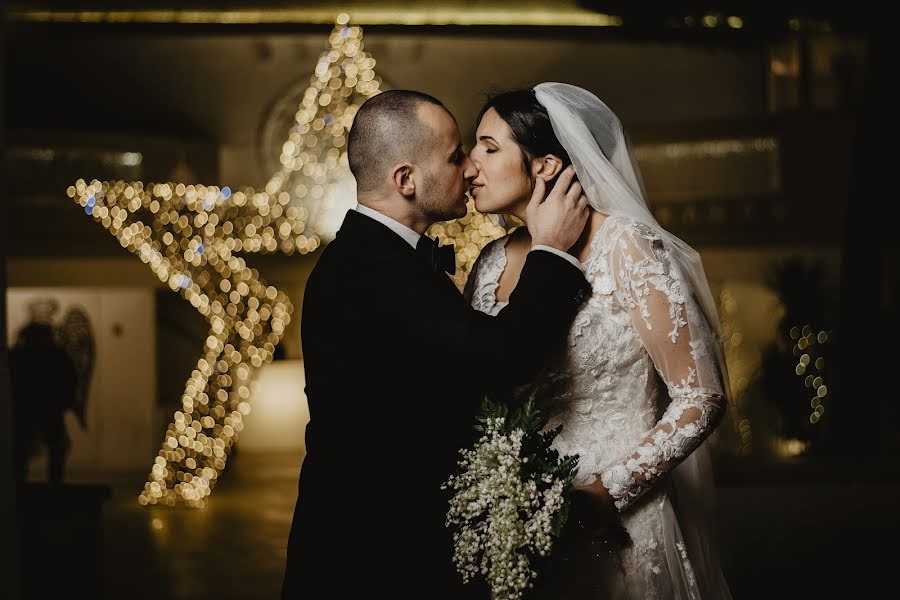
(641, 381)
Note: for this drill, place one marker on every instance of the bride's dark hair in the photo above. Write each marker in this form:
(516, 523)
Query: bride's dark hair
(529, 123)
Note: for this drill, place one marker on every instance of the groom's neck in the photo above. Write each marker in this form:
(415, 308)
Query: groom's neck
(402, 211)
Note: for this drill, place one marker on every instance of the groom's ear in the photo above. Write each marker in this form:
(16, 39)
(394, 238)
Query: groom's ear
(547, 167)
(402, 178)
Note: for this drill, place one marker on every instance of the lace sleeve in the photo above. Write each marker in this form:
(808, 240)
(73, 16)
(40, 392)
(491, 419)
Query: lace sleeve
(680, 343)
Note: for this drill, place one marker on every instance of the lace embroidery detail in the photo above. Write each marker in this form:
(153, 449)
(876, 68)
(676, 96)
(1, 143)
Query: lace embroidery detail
(688, 568)
(603, 386)
(671, 441)
(640, 266)
(485, 277)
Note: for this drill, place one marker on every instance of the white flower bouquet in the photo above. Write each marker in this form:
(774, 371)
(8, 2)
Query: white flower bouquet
(510, 499)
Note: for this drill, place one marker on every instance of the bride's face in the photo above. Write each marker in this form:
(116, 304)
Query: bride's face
(502, 184)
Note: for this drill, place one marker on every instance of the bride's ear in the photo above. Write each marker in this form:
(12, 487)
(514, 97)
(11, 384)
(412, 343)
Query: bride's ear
(547, 167)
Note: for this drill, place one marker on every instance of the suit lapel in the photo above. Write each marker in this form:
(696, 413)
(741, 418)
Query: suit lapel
(373, 236)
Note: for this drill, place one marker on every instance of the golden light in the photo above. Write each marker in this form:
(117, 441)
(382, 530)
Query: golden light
(790, 448)
(710, 21)
(428, 13)
(809, 348)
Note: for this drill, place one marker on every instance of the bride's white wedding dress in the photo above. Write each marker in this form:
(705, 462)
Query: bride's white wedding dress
(636, 391)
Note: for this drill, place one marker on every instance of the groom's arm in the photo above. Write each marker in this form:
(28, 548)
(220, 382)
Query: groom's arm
(507, 349)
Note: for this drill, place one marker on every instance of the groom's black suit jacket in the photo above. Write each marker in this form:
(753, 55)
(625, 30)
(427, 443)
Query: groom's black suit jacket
(396, 365)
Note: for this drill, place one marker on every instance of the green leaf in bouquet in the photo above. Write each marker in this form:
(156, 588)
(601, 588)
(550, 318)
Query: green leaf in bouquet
(528, 417)
(559, 520)
(491, 411)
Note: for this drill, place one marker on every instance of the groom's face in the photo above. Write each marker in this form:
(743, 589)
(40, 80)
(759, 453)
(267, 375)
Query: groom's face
(448, 172)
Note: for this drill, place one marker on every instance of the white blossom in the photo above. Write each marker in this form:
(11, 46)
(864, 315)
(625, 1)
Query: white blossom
(501, 520)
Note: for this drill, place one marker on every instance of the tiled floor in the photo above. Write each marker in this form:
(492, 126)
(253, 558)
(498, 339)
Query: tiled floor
(786, 540)
(233, 549)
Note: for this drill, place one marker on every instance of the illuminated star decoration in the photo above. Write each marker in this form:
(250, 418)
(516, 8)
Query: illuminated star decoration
(314, 170)
(191, 237)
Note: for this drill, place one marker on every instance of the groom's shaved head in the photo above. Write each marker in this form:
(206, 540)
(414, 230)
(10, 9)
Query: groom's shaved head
(387, 131)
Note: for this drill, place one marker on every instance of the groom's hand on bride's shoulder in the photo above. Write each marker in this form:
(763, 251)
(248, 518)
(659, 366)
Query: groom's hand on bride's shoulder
(558, 218)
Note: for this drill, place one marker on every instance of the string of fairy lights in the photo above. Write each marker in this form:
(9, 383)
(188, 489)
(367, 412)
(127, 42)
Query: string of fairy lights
(314, 170)
(191, 236)
(808, 348)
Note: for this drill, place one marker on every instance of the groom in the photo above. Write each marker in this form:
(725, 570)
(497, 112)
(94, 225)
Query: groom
(397, 362)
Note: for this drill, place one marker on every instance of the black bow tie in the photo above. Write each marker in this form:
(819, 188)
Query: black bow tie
(441, 259)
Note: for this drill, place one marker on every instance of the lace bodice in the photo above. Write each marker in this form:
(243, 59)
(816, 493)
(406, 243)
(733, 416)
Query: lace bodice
(634, 392)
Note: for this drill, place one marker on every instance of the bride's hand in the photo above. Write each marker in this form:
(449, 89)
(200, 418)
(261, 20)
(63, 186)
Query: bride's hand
(599, 493)
(594, 510)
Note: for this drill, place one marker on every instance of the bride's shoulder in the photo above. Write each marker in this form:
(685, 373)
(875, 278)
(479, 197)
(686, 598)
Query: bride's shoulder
(621, 228)
(486, 268)
(495, 246)
(490, 252)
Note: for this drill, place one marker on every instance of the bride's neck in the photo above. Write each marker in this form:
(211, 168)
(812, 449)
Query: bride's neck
(581, 248)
